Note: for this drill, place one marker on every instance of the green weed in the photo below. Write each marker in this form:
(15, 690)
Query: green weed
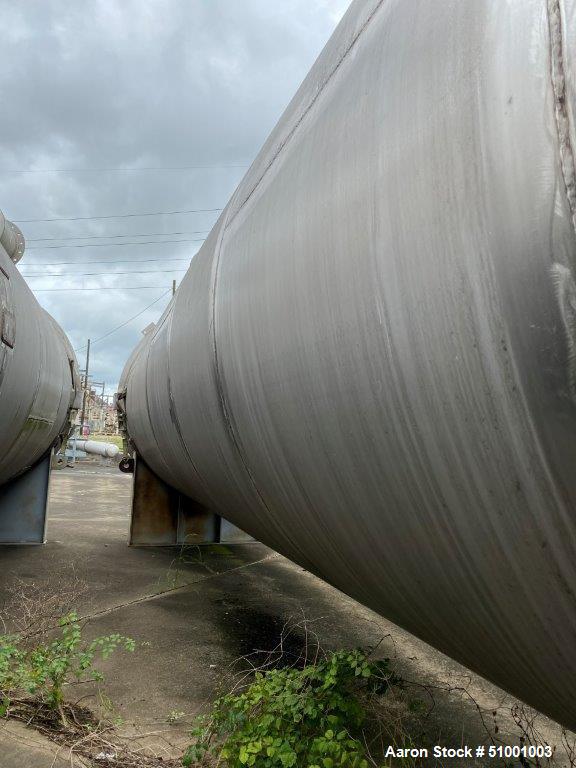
(311, 717)
(45, 670)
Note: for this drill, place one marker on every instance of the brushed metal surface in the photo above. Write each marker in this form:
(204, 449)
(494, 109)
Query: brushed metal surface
(371, 363)
(39, 382)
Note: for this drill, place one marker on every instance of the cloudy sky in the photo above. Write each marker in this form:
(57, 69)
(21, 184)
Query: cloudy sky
(93, 88)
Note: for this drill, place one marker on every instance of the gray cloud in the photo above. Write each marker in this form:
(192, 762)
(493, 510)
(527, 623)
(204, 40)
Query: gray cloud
(125, 83)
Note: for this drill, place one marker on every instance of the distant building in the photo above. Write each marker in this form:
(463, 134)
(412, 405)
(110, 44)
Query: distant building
(101, 416)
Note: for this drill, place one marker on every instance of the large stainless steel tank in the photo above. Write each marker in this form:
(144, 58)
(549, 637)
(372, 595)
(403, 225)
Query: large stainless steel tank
(39, 381)
(371, 363)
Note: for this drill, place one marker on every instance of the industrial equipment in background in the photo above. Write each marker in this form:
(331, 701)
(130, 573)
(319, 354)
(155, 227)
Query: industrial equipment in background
(370, 364)
(100, 415)
(39, 396)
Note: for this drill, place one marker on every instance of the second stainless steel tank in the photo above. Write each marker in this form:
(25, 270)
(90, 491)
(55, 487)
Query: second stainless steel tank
(371, 363)
(39, 383)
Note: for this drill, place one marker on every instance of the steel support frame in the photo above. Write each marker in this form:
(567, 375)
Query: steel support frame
(24, 505)
(163, 517)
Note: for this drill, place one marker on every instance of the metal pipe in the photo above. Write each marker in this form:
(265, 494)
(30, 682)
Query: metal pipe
(370, 364)
(107, 450)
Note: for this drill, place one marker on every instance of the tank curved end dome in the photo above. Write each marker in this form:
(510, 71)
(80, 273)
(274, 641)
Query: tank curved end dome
(11, 239)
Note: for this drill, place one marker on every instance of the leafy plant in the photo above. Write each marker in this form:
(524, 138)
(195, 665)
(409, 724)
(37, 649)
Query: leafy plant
(45, 670)
(310, 717)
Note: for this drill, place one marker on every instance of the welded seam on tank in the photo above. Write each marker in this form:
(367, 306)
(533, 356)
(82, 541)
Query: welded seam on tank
(313, 101)
(558, 74)
(149, 411)
(224, 409)
(9, 453)
(220, 388)
(5, 295)
(172, 403)
(229, 216)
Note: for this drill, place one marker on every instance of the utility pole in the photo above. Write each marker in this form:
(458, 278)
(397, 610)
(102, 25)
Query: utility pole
(173, 287)
(102, 410)
(83, 412)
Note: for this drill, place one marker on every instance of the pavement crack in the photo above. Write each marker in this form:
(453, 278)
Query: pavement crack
(172, 590)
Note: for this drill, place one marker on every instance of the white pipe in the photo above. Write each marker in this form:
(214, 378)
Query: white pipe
(108, 450)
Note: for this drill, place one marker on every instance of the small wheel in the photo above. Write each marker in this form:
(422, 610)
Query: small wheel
(126, 465)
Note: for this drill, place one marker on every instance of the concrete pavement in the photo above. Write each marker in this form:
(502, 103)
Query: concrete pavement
(194, 611)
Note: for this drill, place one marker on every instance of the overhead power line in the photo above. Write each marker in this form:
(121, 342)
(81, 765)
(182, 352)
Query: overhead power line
(120, 215)
(103, 289)
(126, 322)
(112, 245)
(36, 264)
(91, 274)
(106, 170)
(111, 237)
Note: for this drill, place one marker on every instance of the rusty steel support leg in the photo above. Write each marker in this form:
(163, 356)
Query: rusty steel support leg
(163, 517)
(23, 505)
